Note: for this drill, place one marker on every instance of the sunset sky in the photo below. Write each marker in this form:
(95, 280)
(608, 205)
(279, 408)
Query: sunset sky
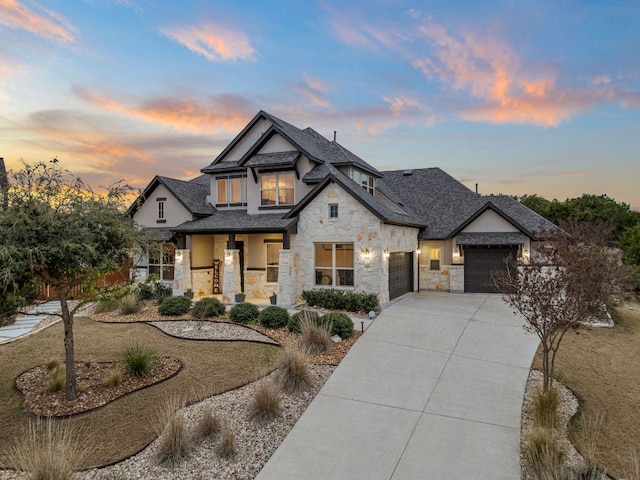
(521, 97)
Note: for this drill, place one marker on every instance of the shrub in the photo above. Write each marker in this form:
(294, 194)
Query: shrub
(55, 379)
(341, 324)
(340, 300)
(175, 444)
(129, 304)
(49, 449)
(114, 378)
(294, 321)
(314, 338)
(273, 317)
(266, 403)
(153, 289)
(228, 446)
(244, 313)
(207, 308)
(293, 373)
(209, 424)
(9, 305)
(140, 358)
(174, 306)
(105, 304)
(545, 407)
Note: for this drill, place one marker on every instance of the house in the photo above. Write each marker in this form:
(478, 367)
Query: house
(281, 210)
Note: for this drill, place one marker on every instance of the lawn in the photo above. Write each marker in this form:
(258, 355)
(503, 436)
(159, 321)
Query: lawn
(124, 426)
(601, 366)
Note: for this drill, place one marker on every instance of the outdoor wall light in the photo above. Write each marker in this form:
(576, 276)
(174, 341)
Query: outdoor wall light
(386, 253)
(418, 251)
(366, 253)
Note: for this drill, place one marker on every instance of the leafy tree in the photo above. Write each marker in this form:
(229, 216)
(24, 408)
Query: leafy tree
(575, 276)
(56, 230)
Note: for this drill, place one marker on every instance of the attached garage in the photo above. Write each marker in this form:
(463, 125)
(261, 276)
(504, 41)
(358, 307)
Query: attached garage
(400, 274)
(485, 254)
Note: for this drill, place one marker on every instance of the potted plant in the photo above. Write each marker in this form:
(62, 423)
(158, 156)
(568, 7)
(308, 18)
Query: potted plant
(240, 297)
(273, 298)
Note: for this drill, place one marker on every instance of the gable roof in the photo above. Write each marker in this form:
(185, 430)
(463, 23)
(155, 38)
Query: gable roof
(192, 194)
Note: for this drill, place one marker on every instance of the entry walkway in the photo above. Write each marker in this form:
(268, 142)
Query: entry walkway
(25, 323)
(433, 389)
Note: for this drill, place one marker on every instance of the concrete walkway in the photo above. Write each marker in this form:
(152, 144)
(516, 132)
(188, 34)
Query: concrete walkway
(24, 324)
(433, 389)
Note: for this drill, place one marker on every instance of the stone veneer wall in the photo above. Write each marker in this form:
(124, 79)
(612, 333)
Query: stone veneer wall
(434, 279)
(256, 286)
(355, 224)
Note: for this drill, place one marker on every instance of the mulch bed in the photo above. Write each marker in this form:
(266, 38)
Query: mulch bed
(93, 392)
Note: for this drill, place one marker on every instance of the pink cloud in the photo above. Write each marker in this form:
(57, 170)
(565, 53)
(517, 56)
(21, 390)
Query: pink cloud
(313, 91)
(350, 28)
(213, 42)
(46, 23)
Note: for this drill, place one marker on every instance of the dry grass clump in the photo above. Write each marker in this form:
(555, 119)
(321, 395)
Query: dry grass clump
(266, 404)
(293, 374)
(314, 338)
(114, 378)
(175, 442)
(55, 379)
(209, 424)
(545, 408)
(228, 447)
(51, 364)
(543, 454)
(129, 304)
(49, 450)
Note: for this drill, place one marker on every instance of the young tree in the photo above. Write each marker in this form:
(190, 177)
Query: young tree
(574, 278)
(54, 229)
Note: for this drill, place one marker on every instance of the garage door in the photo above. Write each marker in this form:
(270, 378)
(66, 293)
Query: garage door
(479, 262)
(400, 274)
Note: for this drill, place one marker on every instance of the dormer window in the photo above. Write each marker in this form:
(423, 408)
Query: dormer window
(365, 180)
(231, 191)
(277, 188)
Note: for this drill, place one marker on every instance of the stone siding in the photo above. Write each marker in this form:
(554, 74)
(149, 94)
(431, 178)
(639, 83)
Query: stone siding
(202, 281)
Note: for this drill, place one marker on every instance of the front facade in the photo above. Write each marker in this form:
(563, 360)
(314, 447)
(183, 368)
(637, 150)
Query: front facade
(283, 210)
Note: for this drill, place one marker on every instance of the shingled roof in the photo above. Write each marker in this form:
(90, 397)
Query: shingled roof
(236, 221)
(192, 194)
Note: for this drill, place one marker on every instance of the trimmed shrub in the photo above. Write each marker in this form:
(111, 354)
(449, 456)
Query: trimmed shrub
(334, 299)
(341, 324)
(207, 308)
(266, 404)
(140, 359)
(129, 304)
(273, 317)
(244, 313)
(174, 306)
(293, 374)
(294, 321)
(314, 338)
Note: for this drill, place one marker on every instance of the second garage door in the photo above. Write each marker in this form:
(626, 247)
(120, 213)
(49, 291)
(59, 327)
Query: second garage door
(400, 274)
(479, 262)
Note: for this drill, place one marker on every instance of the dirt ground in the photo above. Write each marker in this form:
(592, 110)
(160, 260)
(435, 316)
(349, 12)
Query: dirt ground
(602, 367)
(124, 426)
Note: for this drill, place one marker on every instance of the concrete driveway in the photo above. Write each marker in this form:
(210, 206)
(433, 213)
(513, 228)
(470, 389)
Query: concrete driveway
(432, 390)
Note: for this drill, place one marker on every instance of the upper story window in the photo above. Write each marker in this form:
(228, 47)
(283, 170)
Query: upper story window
(231, 190)
(161, 203)
(365, 180)
(333, 210)
(277, 188)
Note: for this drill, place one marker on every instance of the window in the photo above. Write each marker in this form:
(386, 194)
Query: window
(161, 261)
(273, 259)
(231, 190)
(277, 189)
(334, 264)
(434, 259)
(161, 210)
(333, 210)
(365, 180)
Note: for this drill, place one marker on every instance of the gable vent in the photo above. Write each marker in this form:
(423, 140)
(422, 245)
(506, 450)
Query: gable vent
(406, 173)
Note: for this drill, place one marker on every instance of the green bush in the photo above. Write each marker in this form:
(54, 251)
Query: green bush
(153, 289)
(341, 300)
(207, 308)
(140, 358)
(244, 313)
(273, 317)
(294, 321)
(9, 305)
(174, 306)
(341, 324)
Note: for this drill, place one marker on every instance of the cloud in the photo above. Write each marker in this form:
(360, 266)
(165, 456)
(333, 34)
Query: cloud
(38, 20)
(350, 28)
(504, 90)
(223, 112)
(213, 42)
(313, 91)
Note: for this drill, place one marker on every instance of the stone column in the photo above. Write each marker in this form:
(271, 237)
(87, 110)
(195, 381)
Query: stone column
(231, 276)
(286, 279)
(456, 278)
(182, 272)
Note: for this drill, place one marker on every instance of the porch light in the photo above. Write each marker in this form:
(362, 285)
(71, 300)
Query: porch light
(418, 251)
(386, 253)
(366, 253)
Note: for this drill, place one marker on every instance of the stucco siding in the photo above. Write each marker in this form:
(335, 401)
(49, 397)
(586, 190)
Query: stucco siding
(175, 212)
(490, 221)
(246, 142)
(277, 144)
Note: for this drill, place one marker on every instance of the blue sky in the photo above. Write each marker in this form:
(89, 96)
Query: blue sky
(521, 97)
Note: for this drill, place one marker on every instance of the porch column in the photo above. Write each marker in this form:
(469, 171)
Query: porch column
(286, 279)
(231, 277)
(182, 272)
